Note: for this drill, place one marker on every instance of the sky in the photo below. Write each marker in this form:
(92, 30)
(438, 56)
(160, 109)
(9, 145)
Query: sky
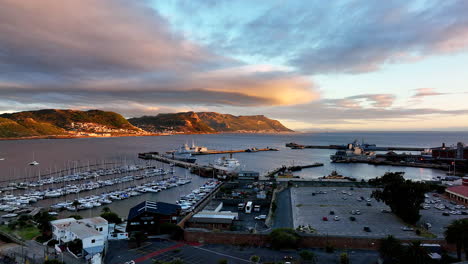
(313, 65)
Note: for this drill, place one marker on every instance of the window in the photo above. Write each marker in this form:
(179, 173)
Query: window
(145, 223)
(152, 222)
(100, 229)
(134, 223)
(93, 241)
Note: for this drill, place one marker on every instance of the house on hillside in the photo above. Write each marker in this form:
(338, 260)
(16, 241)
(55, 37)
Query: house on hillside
(92, 232)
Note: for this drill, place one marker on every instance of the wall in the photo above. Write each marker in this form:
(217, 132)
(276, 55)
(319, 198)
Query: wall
(307, 241)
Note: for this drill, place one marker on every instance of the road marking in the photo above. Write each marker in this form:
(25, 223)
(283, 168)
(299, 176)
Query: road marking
(158, 252)
(222, 254)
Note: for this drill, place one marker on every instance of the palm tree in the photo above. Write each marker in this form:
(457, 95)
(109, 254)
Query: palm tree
(416, 254)
(457, 233)
(75, 204)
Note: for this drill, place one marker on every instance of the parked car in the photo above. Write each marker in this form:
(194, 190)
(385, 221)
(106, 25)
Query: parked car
(261, 217)
(367, 229)
(407, 228)
(336, 218)
(325, 218)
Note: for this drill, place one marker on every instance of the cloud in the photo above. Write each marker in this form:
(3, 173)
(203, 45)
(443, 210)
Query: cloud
(362, 100)
(89, 52)
(330, 36)
(423, 92)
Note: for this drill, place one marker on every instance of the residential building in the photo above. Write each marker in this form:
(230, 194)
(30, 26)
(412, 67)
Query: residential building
(92, 232)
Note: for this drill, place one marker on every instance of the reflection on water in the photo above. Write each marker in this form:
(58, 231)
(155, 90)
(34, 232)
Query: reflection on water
(61, 154)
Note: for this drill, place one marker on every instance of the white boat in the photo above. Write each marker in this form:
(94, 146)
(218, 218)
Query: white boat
(2, 159)
(53, 194)
(9, 215)
(227, 164)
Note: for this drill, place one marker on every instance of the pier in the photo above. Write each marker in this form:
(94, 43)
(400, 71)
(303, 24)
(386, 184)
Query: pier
(251, 150)
(293, 145)
(272, 174)
(195, 168)
(400, 164)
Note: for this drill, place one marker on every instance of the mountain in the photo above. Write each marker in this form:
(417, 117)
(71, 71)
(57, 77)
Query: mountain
(207, 122)
(64, 122)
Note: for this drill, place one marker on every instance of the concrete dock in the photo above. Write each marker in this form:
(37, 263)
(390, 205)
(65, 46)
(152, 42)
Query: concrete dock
(293, 145)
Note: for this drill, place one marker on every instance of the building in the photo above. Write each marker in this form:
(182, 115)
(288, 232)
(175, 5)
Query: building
(148, 216)
(222, 220)
(248, 176)
(459, 193)
(92, 232)
(459, 152)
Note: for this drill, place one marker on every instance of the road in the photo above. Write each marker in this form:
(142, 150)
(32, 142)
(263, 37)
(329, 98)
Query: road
(283, 215)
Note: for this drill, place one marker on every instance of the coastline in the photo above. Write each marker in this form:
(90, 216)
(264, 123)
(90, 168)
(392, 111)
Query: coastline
(146, 135)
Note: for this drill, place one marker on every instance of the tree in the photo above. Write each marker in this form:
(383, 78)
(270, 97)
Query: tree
(308, 256)
(403, 196)
(457, 233)
(416, 254)
(112, 217)
(390, 249)
(255, 259)
(284, 238)
(43, 222)
(344, 259)
(223, 261)
(138, 237)
(106, 210)
(75, 204)
(77, 217)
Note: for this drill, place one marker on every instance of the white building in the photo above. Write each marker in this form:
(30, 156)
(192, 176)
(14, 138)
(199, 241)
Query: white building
(93, 233)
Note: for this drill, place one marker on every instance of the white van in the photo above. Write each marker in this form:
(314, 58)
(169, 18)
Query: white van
(248, 207)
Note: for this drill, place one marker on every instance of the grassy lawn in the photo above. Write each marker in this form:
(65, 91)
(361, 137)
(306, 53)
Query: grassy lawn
(26, 233)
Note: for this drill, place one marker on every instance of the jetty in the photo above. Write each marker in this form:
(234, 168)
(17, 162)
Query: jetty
(294, 145)
(283, 169)
(250, 150)
(195, 168)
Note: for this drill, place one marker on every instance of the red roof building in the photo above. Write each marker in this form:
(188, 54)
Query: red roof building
(459, 193)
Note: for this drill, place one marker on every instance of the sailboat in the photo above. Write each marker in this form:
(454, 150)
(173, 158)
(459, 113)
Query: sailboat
(34, 163)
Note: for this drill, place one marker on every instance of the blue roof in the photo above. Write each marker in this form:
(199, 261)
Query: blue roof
(153, 207)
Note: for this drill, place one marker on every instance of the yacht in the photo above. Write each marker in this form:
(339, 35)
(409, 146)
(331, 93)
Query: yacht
(227, 164)
(34, 163)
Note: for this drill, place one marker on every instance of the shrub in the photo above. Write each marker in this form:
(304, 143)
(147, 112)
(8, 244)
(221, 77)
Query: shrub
(255, 259)
(307, 255)
(344, 259)
(329, 248)
(284, 238)
(222, 261)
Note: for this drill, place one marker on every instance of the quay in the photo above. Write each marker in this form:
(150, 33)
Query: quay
(272, 174)
(210, 152)
(400, 164)
(293, 145)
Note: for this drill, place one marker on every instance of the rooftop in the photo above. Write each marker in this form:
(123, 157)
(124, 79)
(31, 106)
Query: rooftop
(460, 190)
(94, 221)
(83, 231)
(154, 207)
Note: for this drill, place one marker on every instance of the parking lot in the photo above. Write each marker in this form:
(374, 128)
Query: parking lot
(310, 210)
(164, 250)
